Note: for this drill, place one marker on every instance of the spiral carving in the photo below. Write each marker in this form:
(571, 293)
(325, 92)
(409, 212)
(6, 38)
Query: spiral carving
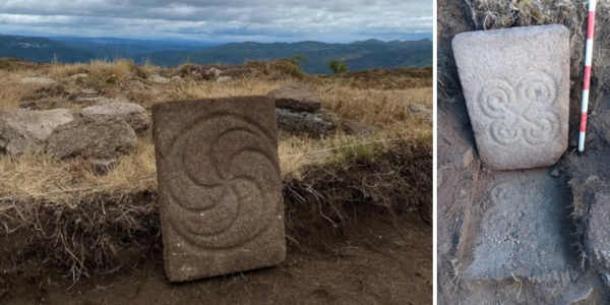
(538, 88)
(541, 129)
(513, 122)
(504, 133)
(496, 97)
(222, 192)
(501, 192)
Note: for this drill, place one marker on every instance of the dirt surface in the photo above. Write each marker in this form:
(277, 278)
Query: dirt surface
(464, 182)
(379, 259)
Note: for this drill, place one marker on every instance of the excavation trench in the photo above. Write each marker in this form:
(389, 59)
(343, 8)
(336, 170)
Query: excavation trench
(352, 226)
(522, 237)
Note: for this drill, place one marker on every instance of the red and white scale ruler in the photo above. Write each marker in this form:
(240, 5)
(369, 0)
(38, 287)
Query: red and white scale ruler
(587, 76)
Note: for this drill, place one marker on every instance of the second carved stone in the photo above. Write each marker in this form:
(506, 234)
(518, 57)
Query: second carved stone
(516, 83)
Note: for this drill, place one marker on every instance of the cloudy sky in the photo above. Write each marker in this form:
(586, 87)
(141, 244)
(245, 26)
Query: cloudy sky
(220, 20)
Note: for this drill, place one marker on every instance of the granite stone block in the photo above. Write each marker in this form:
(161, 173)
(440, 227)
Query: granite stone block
(219, 186)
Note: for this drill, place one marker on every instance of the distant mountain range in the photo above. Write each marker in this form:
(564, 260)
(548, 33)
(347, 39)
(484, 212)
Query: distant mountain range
(314, 56)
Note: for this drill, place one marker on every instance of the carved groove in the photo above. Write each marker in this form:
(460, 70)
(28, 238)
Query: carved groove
(219, 218)
(510, 124)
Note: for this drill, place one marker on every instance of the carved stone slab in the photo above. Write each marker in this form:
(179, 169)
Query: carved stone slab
(219, 186)
(522, 231)
(516, 83)
(598, 232)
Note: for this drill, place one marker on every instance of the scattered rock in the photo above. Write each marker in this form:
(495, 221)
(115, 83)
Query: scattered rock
(214, 72)
(79, 76)
(92, 138)
(135, 115)
(517, 87)
(40, 81)
(223, 79)
(176, 78)
(158, 79)
(296, 97)
(313, 124)
(418, 109)
(195, 71)
(24, 131)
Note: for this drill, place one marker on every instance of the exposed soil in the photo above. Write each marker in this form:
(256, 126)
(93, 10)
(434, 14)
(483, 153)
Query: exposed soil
(466, 185)
(377, 260)
(358, 233)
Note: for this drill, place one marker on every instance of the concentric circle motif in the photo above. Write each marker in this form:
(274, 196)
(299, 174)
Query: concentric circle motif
(544, 128)
(510, 124)
(496, 97)
(538, 88)
(501, 192)
(222, 193)
(504, 134)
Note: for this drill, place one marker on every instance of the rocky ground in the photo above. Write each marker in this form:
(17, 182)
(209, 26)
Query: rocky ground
(78, 182)
(522, 237)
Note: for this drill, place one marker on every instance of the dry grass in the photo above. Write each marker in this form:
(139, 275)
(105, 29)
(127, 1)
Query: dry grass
(239, 87)
(120, 69)
(41, 178)
(12, 91)
(373, 106)
(298, 153)
(500, 14)
(384, 79)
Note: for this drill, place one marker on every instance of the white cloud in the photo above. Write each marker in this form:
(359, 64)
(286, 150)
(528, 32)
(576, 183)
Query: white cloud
(339, 20)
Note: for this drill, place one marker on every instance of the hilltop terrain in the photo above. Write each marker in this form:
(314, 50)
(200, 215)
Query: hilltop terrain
(314, 56)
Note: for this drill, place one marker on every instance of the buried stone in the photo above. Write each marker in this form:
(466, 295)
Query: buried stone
(135, 115)
(220, 188)
(522, 232)
(92, 138)
(516, 83)
(313, 124)
(27, 131)
(296, 97)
